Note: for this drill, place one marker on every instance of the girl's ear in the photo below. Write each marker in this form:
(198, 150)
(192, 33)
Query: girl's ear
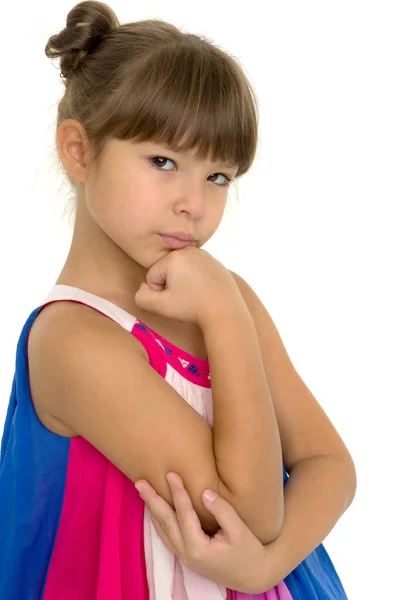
(73, 147)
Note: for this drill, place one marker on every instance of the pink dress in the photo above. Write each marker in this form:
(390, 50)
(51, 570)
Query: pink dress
(75, 526)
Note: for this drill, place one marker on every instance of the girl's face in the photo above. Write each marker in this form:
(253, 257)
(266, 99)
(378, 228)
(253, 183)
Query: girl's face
(136, 192)
(142, 190)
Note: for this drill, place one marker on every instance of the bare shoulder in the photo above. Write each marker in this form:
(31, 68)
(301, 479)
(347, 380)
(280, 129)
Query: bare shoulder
(253, 302)
(59, 319)
(65, 322)
(269, 337)
(295, 405)
(48, 332)
(242, 284)
(91, 378)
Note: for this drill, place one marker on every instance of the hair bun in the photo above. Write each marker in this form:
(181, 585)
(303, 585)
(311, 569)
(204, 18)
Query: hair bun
(87, 23)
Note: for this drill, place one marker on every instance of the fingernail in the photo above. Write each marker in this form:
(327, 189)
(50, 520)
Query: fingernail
(139, 487)
(169, 478)
(209, 496)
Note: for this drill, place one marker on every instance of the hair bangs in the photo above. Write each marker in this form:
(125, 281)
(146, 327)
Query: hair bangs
(187, 99)
(149, 81)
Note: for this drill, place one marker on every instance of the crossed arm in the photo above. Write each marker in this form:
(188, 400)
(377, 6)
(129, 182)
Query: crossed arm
(321, 485)
(322, 476)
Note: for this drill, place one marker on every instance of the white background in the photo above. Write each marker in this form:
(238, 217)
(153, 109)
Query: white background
(314, 230)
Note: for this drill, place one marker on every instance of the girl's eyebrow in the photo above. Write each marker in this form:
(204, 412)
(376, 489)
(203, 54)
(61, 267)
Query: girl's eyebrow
(181, 152)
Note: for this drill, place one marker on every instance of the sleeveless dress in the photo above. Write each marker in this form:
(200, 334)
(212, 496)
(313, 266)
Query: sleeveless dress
(73, 526)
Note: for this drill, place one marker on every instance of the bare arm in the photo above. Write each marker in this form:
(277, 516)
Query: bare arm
(246, 438)
(318, 492)
(321, 486)
(92, 376)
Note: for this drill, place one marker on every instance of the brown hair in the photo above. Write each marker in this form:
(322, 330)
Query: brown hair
(148, 81)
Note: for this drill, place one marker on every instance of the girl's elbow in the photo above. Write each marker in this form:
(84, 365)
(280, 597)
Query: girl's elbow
(268, 528)
(268, 535)
(265, 535)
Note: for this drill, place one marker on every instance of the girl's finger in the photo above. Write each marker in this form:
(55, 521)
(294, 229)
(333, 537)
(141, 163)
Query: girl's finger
(232, 526)
(161, 532)
(189, 522)
(163, 517)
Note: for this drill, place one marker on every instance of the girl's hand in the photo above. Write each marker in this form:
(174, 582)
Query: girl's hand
(233, 557)
(190, 285)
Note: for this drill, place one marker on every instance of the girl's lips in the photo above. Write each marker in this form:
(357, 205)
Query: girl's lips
(176, 243)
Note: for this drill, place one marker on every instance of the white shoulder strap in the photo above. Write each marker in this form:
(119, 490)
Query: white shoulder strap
(67, 292)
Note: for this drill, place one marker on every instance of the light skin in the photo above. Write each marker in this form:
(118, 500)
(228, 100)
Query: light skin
(233, 557)
(122, 206)
(124, 203)
(317, 493)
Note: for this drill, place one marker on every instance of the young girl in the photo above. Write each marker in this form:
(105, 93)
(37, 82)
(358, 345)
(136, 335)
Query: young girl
(148, 356)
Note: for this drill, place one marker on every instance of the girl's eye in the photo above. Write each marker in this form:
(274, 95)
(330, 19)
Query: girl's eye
(157, 159)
